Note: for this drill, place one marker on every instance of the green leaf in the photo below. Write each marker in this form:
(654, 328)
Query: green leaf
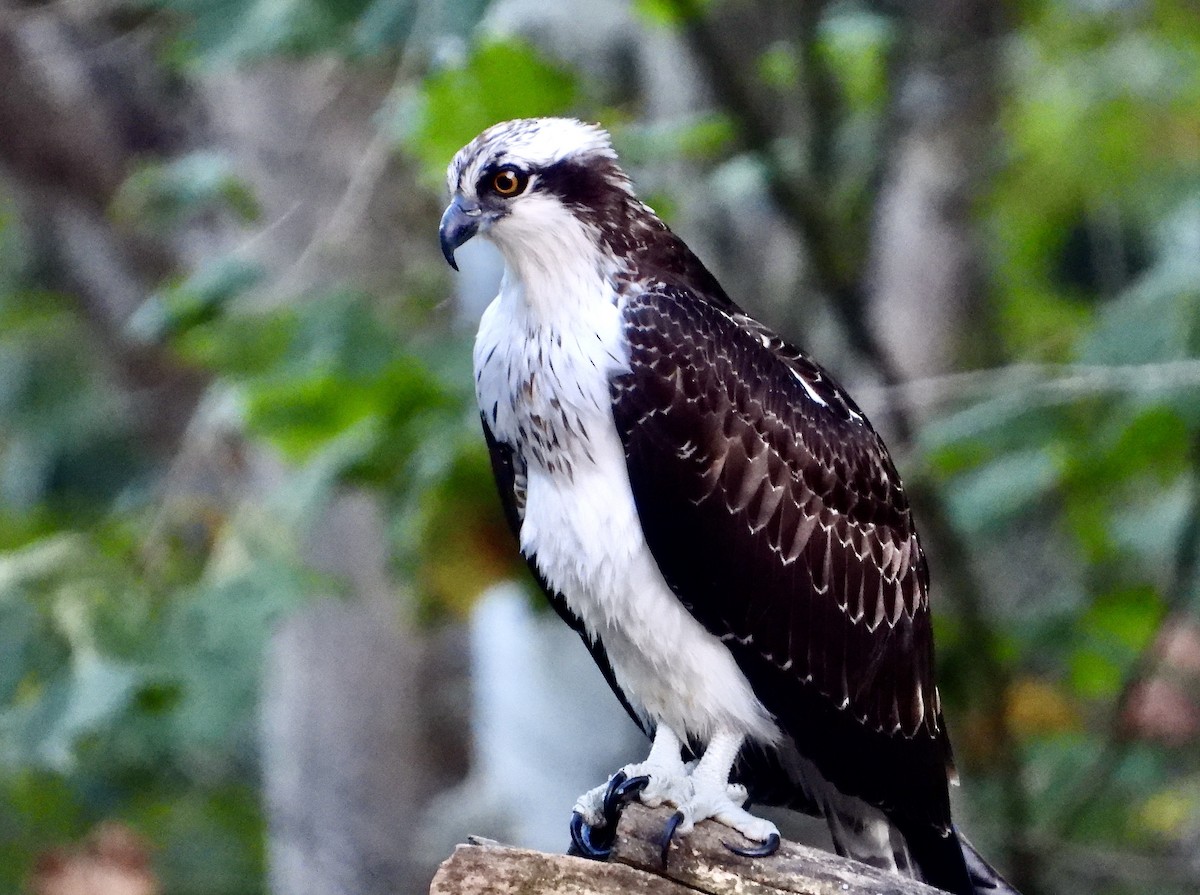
(209, 840)
(383, 25)
(40, 811)
(779, 66)
(701, 138)
(1149, 525)
(1095, 673)
(1009, 421)
(1157, 442)
(1127, 616)
(1108, 637)
(162, 195)
(225, 31)
(666, 13)
(95, 693)
(498, 81)
(1146, 326)
(194, 301)
(999, 492)
(18, 630)
(240, 344)
(855, 45)
(211, 648)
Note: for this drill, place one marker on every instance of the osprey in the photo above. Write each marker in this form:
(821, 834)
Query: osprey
(711, 512)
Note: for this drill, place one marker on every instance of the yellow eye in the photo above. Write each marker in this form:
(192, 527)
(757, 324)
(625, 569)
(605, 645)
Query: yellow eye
(507, 182)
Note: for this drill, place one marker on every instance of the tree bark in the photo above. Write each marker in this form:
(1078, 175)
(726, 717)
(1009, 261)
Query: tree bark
(698, 862)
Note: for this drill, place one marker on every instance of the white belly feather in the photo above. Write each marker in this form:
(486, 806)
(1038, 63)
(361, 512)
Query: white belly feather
(544, 389)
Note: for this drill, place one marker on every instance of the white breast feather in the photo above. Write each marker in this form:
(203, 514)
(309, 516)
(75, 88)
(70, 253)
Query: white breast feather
(544, 359)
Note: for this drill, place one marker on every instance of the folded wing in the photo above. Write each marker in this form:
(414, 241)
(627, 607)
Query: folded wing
(777, 517)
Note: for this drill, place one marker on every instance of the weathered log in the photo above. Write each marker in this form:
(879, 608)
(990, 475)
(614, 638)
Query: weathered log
(501, 870)
(698, 862)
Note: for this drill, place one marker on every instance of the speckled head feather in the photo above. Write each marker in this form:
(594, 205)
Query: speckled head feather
(534, 144)
(574, 179)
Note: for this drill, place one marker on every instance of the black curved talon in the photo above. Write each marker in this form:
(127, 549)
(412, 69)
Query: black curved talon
(764, 849)
(582, 844)
(596, 843)
(668, 834)
(632, 787)
(613, 782)
(609, 806)
(620, 793)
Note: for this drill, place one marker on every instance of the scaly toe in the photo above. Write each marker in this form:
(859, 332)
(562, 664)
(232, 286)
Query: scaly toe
(738, 794)
(590, 805)
(756, 829)
(666, 789)
(721, 801)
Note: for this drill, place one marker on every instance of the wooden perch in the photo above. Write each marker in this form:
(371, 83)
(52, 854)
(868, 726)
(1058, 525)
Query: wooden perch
(698, 863)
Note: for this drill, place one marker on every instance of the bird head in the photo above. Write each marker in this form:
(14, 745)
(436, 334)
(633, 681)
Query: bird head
(534, 184)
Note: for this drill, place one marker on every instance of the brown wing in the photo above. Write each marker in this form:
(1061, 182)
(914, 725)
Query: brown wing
(777, 517)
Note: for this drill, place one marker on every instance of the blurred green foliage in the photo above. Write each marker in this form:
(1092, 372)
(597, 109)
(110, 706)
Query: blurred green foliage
(457, 102)
(220, 32)
(133, 617)
(164, 194)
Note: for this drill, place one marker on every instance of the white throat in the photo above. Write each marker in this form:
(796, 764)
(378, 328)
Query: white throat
(555, 265)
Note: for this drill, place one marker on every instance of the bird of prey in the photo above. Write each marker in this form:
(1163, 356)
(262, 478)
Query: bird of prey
(711, 512)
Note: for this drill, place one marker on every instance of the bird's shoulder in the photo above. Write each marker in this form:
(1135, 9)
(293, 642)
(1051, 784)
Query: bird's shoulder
(696, 360)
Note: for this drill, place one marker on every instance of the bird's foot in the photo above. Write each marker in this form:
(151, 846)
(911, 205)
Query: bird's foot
(594, 820)
(597, 811)
(699, 791)
(724, 803)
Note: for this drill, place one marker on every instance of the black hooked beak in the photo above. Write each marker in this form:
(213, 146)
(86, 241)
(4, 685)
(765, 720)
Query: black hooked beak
(459, 223)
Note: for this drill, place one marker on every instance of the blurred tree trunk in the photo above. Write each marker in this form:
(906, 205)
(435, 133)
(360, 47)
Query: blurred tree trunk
(77, 110)
(348, 754)
(925, 280)
(355, 740)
